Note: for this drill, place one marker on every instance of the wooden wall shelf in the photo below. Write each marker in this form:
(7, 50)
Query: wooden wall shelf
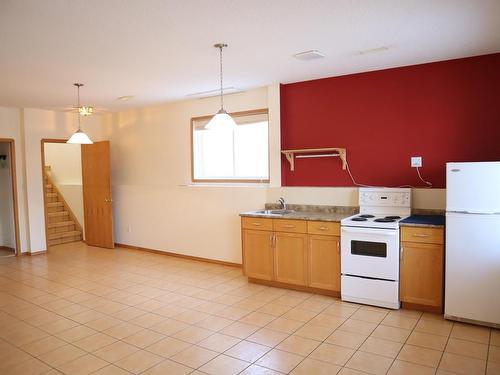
(315, 153)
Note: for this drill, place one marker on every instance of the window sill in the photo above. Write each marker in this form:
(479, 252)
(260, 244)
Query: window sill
(228, 184)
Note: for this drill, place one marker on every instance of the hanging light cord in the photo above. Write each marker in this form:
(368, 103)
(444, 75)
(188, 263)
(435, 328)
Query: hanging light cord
(78, 85)
(78, 88)
(221, 46)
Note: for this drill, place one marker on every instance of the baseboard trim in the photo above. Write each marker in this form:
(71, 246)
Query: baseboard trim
(7, 248)
(32, 254)
(177, 255)
(300, 288)
(425, 308)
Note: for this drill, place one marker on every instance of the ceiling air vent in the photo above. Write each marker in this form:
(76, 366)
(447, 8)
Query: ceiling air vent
(309, 55)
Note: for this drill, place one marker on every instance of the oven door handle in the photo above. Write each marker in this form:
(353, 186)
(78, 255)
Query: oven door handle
(371, 231)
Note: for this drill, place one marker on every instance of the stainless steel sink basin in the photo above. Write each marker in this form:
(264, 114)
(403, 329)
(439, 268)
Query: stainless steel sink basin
(275, 212)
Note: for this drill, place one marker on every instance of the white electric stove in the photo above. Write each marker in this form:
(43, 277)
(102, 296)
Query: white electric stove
(370, 247)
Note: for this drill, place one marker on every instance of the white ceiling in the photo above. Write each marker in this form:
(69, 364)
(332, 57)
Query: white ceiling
(161, 50)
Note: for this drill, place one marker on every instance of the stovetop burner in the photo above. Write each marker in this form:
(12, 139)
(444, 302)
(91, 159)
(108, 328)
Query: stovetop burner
(393, 217)
(366, 216)
(385, 220)
(359, 218)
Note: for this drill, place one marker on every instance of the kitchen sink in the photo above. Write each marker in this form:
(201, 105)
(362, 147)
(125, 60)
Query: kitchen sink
(275, 212)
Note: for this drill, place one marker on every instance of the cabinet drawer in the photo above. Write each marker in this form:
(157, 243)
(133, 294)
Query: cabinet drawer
(421, 234)
(291, 226)
(257, 223)
(324, 228)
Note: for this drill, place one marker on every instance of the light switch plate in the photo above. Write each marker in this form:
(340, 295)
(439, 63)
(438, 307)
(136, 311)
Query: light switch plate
(416, 161)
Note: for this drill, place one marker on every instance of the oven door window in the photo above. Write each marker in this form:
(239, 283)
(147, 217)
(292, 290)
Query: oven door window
(371, 249)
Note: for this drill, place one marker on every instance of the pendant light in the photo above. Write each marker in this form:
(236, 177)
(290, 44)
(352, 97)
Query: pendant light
(222, 120)
(79, 137)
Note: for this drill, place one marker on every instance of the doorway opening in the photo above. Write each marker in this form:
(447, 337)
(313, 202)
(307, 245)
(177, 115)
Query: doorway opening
(77, 193)
(9, 220)
(63, 192)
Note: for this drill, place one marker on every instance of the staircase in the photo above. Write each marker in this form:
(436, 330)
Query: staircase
(62, 225)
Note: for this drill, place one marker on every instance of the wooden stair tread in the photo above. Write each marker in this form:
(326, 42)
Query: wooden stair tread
(60, 213)
(72, 233)
(55, 204)
(60, 224)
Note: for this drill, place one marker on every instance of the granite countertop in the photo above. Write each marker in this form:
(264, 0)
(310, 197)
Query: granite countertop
(432, 221)
(300, 215)
(306, 212)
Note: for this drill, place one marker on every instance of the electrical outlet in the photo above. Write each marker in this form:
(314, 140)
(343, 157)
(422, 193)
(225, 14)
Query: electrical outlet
(416, 161)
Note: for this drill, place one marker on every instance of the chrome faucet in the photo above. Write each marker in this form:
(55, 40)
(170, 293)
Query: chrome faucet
(282, 202)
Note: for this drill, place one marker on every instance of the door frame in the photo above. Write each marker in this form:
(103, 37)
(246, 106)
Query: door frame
(13, 176)
(45, 213)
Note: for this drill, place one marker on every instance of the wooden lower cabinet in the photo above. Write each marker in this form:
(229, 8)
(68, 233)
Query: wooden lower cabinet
(324, 262)
(303, 255)
(290, 258)
(258, 254)
(422, 274)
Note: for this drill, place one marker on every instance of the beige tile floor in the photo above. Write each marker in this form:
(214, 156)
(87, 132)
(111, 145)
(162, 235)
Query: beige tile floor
(82, 310)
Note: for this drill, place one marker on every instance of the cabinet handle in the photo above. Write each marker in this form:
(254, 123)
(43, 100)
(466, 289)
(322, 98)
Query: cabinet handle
(274, 239)
(271, 239)
(338, 247)
(420, 235)
(323, 228)
(256, 223)
(401, 254)
(288, 226)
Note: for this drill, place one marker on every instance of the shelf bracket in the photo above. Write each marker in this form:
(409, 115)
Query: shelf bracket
(291, 159)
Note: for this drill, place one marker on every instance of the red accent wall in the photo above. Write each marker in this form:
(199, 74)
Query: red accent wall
(444, 111)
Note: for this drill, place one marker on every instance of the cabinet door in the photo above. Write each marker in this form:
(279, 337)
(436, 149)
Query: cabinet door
(422, 273)
(324, 262)
(290, 258)
(258, 254)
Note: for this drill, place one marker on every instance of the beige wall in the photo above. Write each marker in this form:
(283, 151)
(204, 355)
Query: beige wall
(155, 204)
(7, 229)
(65, 161)
(348, 196)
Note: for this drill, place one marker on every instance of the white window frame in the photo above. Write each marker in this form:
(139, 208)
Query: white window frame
(194, 120)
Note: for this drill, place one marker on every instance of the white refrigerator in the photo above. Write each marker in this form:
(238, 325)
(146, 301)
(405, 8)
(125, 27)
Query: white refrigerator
(472, 282)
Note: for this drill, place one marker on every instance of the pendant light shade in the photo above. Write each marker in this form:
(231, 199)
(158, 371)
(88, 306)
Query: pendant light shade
(79, 137)
(222, 120)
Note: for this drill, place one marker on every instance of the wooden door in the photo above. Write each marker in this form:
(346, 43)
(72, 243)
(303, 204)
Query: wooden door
(97, 199)
(258, 253)
(324, 262)
(422, 273)
(290, 258)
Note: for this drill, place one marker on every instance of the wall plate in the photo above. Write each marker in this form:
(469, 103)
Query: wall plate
(416, 161)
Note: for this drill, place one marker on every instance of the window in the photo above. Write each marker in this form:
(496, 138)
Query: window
(239, 155)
